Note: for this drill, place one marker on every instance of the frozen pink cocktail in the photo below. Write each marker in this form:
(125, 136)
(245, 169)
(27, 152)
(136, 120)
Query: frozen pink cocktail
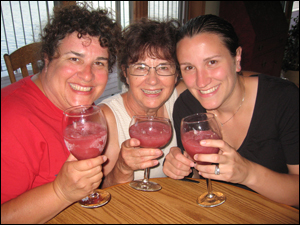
(151, 134)
(86, 140)
(191, 143)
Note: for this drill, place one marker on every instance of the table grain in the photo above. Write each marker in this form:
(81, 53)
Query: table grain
(176, 203)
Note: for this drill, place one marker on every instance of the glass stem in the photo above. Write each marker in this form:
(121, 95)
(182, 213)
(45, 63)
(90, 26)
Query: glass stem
(146, 175)
(209, 188)
(94, 195)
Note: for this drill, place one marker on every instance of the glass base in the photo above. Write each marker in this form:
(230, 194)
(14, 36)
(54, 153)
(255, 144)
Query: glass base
(214, 199)
(97, 199)
(141, 185)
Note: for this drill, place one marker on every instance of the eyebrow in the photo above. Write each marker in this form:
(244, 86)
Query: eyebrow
(185, 63)
(164, 63)
(82, 55)
(214, 56)
(206, 59)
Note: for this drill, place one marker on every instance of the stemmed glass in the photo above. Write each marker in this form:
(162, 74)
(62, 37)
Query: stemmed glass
(195, 128)
(85, 135)
(152, 132)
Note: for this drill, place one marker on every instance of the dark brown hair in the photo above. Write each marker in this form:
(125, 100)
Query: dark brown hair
(211, 24)
(80, 18)
(156, 38)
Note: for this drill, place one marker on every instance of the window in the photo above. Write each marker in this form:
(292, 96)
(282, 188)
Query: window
(163, 10)
(22, 22)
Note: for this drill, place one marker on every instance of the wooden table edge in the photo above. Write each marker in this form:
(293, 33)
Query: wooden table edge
(229, 185)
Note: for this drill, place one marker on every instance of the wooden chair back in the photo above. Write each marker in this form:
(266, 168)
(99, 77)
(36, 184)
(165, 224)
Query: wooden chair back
(20, 58)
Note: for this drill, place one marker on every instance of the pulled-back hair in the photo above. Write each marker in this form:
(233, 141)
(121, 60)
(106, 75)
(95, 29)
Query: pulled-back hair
(158, 39)
(211, 24)
(79, 18)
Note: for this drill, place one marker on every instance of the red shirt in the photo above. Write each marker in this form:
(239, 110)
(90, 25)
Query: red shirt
(32, 146)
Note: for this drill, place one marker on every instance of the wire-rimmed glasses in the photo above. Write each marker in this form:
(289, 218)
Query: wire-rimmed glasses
(141, 69)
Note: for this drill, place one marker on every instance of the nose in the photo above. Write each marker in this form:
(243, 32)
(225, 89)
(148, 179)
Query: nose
(152, 77)
(203, 79)
(86, 73)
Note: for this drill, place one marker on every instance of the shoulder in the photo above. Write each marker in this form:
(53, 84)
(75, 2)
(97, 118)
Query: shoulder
(269, 85)
(276, 86)
(110, 104)
(277, 100)
(16, 100)
(249, 73)
(186, 104)
(115, 99)
(187, 99)
(108, 113)
(13, 90)
(111, 124)
(180, 87)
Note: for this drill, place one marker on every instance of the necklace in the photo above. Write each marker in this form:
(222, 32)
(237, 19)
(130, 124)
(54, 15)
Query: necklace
(131, 112)
(235, 111)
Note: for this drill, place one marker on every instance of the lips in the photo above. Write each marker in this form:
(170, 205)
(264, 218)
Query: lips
(209, 90)
(76, 87)
(151, 92)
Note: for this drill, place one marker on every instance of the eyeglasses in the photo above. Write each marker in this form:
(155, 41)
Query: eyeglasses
(141, 69)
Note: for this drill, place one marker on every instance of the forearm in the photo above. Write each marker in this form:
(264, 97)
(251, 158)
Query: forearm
(283, 188)
(37, 205)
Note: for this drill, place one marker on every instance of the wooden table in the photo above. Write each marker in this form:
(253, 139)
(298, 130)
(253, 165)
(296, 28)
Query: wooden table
(176, 203)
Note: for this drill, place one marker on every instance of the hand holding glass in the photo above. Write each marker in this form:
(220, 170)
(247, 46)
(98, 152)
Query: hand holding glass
(85, 135)
(152, 132)
(193, 129)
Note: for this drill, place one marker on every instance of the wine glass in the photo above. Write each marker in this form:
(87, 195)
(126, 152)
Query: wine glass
(152, 132)
(195, 128)
(85, 135)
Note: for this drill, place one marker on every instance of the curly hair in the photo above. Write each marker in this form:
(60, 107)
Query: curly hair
(95, 23)
(156, 38)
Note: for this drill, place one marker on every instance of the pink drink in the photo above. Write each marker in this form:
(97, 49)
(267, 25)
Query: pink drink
(191, 143)
(86, 140)
(157, 136)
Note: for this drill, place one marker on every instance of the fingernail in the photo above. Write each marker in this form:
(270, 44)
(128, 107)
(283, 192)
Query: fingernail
(203, 142)
(196, 157)
(104, 158)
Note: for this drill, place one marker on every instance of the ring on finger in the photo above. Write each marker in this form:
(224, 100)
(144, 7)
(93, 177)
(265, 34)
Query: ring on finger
(217, 169)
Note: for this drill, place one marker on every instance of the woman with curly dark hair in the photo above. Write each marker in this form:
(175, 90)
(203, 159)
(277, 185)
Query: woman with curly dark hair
(39, 176)
(84, 22)
(148, 69)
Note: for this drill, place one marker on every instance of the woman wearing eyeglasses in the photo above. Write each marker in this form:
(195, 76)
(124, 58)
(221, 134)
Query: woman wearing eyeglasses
(148, 70)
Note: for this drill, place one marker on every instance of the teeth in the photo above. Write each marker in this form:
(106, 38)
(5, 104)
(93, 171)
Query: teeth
(209, 91)
(80, 88)
(151, 92)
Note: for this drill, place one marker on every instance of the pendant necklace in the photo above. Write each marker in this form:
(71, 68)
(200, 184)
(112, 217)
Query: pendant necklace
(235, 111)
(131, 111)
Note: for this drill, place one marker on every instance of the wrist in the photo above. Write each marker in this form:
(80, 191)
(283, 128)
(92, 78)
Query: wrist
(123, 173)
(116, 176)
(251, 177)
(60, 195)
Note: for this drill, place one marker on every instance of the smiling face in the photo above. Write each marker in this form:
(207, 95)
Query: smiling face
(149, 93)
(208, 69)
(79, 75)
